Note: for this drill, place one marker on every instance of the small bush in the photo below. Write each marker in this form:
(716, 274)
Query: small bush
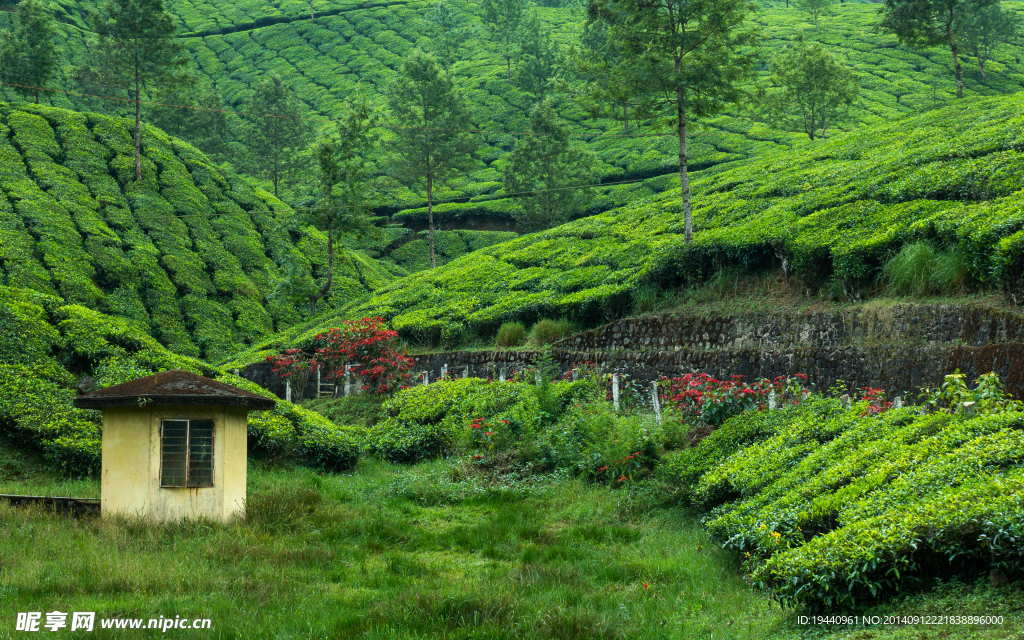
(511, 334)
(548, 331)
(921, 269)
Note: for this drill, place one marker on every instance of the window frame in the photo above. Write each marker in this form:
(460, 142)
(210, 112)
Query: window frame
(188, 453)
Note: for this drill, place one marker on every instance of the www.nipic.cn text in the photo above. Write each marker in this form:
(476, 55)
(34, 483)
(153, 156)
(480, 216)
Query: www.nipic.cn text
(86, 621)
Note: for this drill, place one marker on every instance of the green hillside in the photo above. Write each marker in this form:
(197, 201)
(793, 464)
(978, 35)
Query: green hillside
(836, 209)
(350, 45)
(192, 254)
(51, 350)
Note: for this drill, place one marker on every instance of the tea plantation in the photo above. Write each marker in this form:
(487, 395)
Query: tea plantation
(192, 253)
(348, 47)
(835, 209)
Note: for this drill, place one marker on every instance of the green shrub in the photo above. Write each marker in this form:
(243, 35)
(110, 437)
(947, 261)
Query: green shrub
(511, 334)
(837, 507)
(548, 331)
(921, 269)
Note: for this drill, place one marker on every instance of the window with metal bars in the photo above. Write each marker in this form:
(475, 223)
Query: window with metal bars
(186, 453)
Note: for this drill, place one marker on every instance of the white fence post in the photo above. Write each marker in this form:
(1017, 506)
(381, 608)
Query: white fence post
(575, 375)
(465, 372)
(655, 401)
(615, 391)
(426, 378)
(501, 376)
(444, 369)
(287, 391)
(772, 402)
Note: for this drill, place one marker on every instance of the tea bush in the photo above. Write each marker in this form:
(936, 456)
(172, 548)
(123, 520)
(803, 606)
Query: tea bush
(192, 253)
(834, 506)
(48, 347)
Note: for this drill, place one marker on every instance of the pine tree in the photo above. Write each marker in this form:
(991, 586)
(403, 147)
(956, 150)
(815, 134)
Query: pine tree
(450, 32)
(502, 18)
(343, 153)
(538, 58)
(136, 48)
(277, 131)
(28, 58)
(928, 23)
(815, 88)
(432, 141)
(604, 76)
(988, 29)
(551, 168)
(693, 55)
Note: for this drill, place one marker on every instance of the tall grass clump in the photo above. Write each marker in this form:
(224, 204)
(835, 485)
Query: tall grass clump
(548, 331)
(920, 269)
(511, 334)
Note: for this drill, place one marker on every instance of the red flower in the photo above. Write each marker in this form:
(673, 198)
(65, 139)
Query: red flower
(602, 469)
(622, 478)
(488, 433)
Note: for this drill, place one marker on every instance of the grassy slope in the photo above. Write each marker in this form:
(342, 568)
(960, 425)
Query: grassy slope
(326, 60)
(191, 253)
(841, 206)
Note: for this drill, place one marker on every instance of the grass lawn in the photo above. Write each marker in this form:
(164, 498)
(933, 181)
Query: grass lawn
(429, 551)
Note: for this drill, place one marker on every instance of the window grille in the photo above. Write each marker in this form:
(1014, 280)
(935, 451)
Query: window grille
(186, 453)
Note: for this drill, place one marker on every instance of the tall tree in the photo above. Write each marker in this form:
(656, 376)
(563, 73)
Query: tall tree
(927, 23)
(814, 7)
(278, 131)
(814, 88)
(551, 168)
(135, 48)
(988, 29)
(344, 153)
(695, 55)
(28, 58)
(604, 76)
(203, 121)
(502, 18)
(538, 58)
(450, 31)
(432, 141)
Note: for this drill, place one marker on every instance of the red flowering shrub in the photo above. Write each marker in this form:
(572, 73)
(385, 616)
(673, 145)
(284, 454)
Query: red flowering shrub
(373, 350)
(875, 399)
(712, 401)
(296, 367)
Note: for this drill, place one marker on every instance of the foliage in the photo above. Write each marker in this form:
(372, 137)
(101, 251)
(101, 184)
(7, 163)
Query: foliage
(277, 129)
(135, 47)
(927, 23)
(954, 396)
(700, 397)
(547, 331)
(538, 58)
(433, 135)
(814, 7)
(383, 367)
(296, 367)
(450, 31)
(192, 254)
(834, 506)
(48, 348)
(511, 334)
(815, 89)
(986, 29)
(546, 170)
(920, 269)
(694, 56)
(502, 18)
(28, 54)
(342, 152)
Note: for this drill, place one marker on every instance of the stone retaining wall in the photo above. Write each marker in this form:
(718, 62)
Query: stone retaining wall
(863, 326)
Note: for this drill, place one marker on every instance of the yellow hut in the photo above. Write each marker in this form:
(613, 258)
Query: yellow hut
(174, 445)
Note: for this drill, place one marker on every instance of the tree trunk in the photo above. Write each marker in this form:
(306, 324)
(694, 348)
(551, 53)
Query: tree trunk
(330, 269)
(981, 68)
(138, 121)
(956, 62)
(430, 217)
(508, 66)
(625, 117)
(276, 161)
(684, 178)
